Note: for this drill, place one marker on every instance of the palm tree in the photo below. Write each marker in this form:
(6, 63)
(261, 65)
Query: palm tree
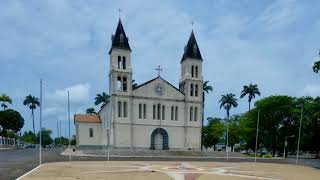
(227, 102)
(102, 98)
(251, 91)
(91, 111)
(5, 99)
(134, 84)
(32, 102)
(206, 89)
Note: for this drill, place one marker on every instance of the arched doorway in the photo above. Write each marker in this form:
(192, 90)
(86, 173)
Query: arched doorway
(159, 139)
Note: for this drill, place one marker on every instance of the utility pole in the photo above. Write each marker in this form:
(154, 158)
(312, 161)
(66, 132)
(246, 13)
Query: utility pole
(69, 128)
(40, 134)
(297, 159)
(256, 148)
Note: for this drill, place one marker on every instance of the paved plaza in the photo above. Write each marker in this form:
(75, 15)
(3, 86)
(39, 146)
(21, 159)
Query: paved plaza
(157, 170)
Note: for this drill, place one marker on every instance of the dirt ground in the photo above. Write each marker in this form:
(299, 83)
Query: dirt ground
(132, 170)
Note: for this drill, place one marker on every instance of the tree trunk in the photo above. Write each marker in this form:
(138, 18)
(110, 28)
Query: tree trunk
(249, 105)
(214, 147)
(227, 136)
(34, 131)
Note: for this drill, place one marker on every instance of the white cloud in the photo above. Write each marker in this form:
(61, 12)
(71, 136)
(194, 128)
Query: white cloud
(279, 13)
(79, 93)
(311, 90)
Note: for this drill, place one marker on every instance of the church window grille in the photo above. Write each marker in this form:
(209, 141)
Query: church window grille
(196, 69)
(159, 112)
(90, 132)
(172, 112)
(119, 109)
(163, 112)
(191, 90)
(119, 62)
(176, 114)
(195, 114)
(125, 109)
(124, 84)
(191, 113)
(124, 62)
(144, 111)
(192, 71)
(154, 111)
(196, 90)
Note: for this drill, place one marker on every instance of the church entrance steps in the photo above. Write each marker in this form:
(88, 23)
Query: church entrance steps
(152, 153)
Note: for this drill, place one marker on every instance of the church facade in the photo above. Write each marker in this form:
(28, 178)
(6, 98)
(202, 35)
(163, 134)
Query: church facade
(152, 115)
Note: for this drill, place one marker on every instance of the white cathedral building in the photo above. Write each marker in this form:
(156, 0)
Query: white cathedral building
(153, 115)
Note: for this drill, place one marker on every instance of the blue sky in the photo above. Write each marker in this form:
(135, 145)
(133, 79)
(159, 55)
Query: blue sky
(271, 43)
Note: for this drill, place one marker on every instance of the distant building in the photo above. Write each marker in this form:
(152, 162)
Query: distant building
(153, 115)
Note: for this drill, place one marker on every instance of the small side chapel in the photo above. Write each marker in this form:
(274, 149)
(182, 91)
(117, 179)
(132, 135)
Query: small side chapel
(153, 115)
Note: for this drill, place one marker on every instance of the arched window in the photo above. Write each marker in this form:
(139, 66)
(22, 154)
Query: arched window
(192, 71)
(140, 111)
(196, 71)
(191, 113)
(195, 114)
(144, 111)
(90, 132)
(163, 112)
(119, 62)
(124, 84)
(124, 62)
(119, 83)
(191, 90)
(159, 112)
(119, 109)
(172, 113)
(121, 39)
(196, 90)
(154, 111)
(176, 114)
(125, 109)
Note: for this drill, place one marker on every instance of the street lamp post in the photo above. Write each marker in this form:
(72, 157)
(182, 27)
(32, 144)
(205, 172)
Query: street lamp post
(298, 148)
(285, 144)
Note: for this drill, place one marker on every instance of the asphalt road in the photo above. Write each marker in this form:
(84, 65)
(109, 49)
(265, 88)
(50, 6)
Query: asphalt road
(16, 162)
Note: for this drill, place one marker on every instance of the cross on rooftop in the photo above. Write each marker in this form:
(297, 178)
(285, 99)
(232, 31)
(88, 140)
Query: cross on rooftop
(119, 10)
(159, 69)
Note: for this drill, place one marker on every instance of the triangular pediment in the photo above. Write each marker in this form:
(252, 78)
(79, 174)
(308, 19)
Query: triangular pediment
(158, 88)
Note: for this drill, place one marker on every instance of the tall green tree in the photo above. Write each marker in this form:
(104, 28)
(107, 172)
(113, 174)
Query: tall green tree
(32, 102)
(29, 137)
(45, 137)
(102, 98)
(5, 99)
(11, 120)
(206, 90)
(215, 131)
(251, 90)
(234, 130)
(91, 111)
(227, 102)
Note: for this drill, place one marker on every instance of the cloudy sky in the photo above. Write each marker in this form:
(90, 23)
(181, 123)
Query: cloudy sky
(269, 42)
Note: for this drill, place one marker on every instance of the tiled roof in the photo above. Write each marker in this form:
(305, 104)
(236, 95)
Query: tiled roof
(87, 118)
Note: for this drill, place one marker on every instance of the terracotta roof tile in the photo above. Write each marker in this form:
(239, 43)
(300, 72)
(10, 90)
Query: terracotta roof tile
(87, 118)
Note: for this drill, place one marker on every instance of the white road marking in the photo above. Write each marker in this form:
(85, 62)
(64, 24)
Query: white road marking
(19, 178)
